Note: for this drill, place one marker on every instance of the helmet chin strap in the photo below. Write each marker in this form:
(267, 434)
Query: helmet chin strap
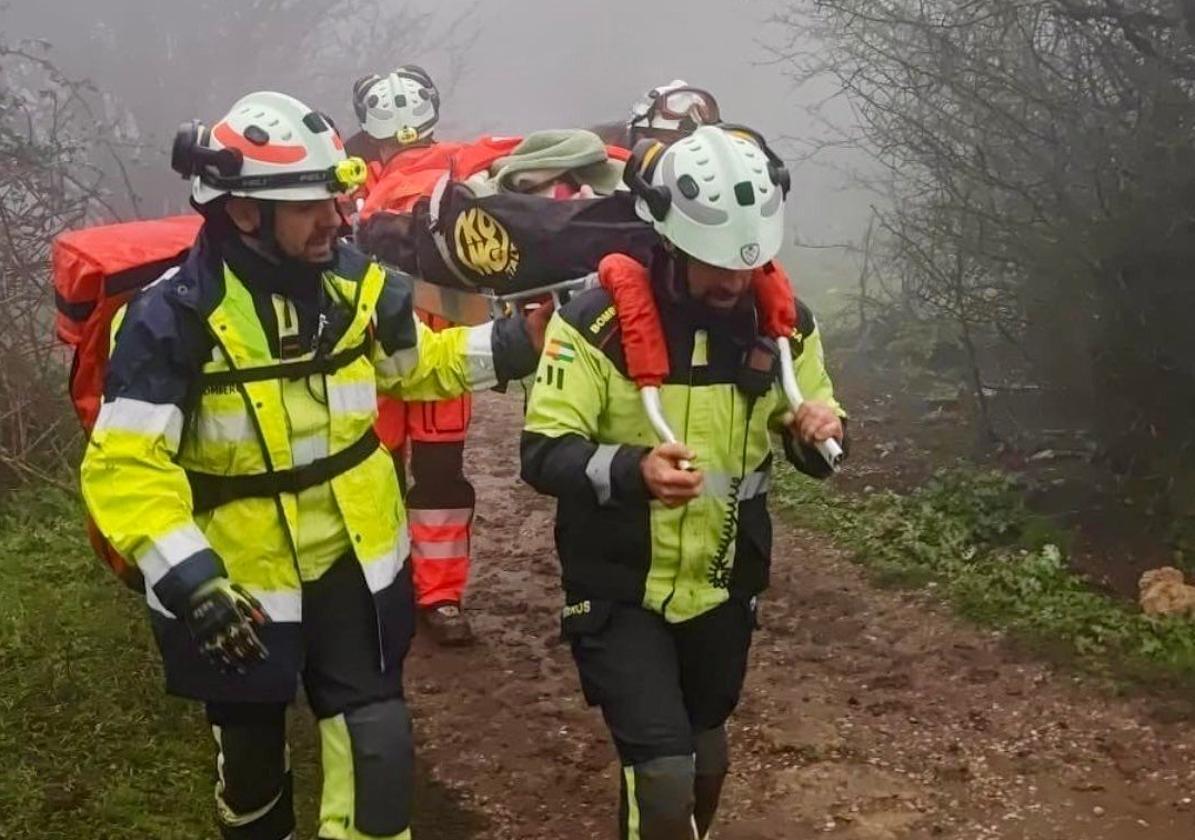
(267, 233)
(680, 263)
(681, 293)
(678, 278)
(264, 240)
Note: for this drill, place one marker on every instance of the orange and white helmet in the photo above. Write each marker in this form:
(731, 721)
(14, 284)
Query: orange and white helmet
(269, 146)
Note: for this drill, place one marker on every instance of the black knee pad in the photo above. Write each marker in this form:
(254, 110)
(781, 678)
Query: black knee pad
(664, 796)
(253, 765)
(713, 752)
(441, 494)
(383, 766)
(437, 478)
(256, 796)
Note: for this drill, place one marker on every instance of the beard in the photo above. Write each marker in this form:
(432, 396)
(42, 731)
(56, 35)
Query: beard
(733, 318)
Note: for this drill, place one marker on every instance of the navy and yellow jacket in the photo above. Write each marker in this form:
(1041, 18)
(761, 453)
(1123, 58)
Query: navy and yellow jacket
(219, 449)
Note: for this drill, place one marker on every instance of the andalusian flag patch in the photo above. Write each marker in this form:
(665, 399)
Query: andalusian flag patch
(561, 351)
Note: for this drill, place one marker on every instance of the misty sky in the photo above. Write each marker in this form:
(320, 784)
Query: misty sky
(535, 64)
(548, 64)
(595, 58)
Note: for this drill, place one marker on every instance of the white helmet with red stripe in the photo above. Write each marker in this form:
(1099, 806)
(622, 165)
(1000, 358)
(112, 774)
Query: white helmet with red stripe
(269, 146)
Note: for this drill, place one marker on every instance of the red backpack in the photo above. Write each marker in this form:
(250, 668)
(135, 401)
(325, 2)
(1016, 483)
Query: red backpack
(97, 271)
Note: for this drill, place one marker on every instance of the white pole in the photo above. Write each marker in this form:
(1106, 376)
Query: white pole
(650, 395)
(829, 449)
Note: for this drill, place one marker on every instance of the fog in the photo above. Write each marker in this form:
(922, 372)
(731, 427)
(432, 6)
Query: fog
(506, 68)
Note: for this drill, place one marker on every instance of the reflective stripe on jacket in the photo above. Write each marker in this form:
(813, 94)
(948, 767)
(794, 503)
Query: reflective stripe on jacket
(586, 432)
(195, 394)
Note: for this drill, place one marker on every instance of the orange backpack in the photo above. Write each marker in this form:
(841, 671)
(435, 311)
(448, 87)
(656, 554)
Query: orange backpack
(96, 271)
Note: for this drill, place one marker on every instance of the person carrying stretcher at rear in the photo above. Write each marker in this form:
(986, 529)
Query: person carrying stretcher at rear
(398, 114)
(665, 547)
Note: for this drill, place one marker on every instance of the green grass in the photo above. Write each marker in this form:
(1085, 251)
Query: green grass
(89, 741)
(995, 563)
(90, 745)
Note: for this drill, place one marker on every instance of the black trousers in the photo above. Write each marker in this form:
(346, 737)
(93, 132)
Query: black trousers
(350, 692)
(659, 684)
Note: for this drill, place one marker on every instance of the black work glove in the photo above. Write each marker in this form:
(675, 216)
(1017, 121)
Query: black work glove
(517, 342)
(222, 616)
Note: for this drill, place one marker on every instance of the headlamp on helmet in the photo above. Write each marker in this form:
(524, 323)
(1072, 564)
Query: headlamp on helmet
(269, 146)
(221, 169)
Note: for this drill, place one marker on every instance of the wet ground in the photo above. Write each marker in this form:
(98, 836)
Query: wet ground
(867, 715)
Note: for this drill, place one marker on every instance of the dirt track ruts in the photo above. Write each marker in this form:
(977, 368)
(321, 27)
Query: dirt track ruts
(867, 715)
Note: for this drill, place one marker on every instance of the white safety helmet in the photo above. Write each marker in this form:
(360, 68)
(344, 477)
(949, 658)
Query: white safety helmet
(676, 106)
(404, 105)
(717, 195)
(269, 146)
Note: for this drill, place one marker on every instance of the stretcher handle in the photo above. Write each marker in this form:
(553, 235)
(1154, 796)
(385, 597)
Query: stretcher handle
(830, 449)
(650, 395)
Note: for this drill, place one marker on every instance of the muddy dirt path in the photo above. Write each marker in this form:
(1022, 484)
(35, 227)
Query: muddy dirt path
(868, 715)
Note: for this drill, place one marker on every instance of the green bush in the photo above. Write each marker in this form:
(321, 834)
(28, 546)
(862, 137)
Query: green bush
(970, 534)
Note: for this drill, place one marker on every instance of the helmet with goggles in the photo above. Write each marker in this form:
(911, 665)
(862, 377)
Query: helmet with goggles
(674, 107)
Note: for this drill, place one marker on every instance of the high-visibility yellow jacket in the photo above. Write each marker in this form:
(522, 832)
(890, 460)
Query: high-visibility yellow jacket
(586, 432)
(208, 460)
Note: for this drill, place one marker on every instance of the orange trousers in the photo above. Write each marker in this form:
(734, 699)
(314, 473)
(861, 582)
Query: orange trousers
(439, 499)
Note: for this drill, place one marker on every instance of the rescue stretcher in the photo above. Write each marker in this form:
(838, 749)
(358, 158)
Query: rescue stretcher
(472, 308)
(483, 258)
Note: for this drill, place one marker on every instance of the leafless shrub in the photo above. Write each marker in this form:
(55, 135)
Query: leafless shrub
(55, 158)
(1038, 161)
